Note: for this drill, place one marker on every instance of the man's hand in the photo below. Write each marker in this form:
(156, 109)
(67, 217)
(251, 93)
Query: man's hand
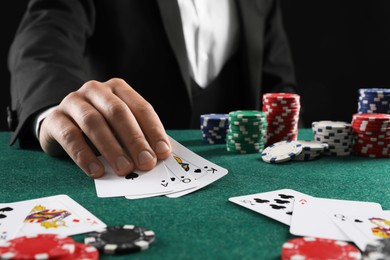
(122, 126)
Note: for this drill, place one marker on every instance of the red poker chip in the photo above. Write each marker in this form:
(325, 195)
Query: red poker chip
(371, 117)
(319, 248)
(281, 95)
(82, 252)
(370, 122)
(41, 246)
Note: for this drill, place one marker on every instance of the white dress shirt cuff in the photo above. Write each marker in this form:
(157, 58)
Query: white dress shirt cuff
(38, 120)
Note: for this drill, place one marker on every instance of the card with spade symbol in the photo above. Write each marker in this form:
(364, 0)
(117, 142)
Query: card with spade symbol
(191, 164)
(180, 179)
(155, 181)
(276, 204)
(11, 219)
(364, 228)
(312, 216)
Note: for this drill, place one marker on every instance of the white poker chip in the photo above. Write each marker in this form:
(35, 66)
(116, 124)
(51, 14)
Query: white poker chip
(331, 126)
(281, 151)
(312, 145)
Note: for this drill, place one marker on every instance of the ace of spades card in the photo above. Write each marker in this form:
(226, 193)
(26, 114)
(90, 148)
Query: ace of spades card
(58, 215)
(276, 204)
(204, 171)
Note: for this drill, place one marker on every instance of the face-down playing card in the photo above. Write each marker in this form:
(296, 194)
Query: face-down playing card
(276, 204)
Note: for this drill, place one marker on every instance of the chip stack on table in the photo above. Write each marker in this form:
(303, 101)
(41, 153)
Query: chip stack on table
(374, 100)
(247, 131)
(283, 116)
(337, 134)
(46, 246)
(372, 135)
(213, 127)
(311, 150)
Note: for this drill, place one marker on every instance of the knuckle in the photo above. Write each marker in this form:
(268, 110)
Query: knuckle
(116, 110)
(68, 99)
(117, 81)
(91, 84)
(144, 108)
(88, 117)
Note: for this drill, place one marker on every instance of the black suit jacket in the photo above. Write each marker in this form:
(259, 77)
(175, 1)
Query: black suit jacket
(63, 43)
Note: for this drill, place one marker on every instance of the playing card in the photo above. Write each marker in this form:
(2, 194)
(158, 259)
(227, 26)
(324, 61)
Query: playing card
(276, 204)
(204, 171)
(155, 181)
(363, 229)
(11, 218)
(58, 215)
(312, 216)
(180, 180)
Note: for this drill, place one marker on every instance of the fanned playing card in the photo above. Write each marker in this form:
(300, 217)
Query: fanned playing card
(312, 216)
(155, 181)
(204, 171)
(364, 228)
(276, 204)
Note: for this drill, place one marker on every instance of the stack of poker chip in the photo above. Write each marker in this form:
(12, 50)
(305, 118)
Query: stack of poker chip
(372, 135)
(337, 134)
(213, 127)
(247, 130)
(374, 100)
(319, 248)
(311, 150)
(283, 116)
(46, 246)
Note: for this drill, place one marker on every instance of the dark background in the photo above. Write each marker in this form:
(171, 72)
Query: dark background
(337, 46)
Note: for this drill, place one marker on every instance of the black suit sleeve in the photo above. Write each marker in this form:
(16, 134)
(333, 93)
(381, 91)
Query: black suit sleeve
(278, 70)
(47, 58)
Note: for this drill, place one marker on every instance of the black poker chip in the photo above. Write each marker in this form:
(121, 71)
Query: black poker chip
(377, 250)
(118, 240)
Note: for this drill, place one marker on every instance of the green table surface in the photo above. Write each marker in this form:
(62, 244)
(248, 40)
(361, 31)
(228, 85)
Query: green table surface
(203, 224)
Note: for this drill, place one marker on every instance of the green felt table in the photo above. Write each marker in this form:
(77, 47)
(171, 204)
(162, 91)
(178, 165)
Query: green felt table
(204, 224)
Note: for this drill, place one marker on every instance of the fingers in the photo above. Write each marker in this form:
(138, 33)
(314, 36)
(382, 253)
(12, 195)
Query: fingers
(59, 133)
(120, 123)
(146, 117)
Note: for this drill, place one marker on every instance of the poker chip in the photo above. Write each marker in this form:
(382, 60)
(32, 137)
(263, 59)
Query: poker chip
(310, 150)
(282, 116)
(82, 252)
(213, 127)
(318, 248)
(374, 100)
(247, 131)
(281, 151)
(120, 239)
(40, 246)
(377, 250)
(336, 134)
(371, 135)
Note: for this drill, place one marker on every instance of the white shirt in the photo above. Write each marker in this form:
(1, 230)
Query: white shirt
(211, 36)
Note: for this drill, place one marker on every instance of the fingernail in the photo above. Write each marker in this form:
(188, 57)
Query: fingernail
(94, 169)
(122, 163)
(162, 147)
(144, 157)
